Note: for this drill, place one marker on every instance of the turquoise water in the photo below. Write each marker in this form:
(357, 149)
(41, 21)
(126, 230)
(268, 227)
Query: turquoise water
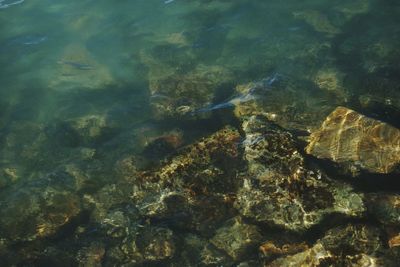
(95, 93)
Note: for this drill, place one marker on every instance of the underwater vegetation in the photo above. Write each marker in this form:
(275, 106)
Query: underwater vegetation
(199, 133)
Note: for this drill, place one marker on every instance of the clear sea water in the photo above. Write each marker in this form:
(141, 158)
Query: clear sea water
(79, 80)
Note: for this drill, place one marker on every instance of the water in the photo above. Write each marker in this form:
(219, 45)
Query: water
(96, 95)
(253, 93)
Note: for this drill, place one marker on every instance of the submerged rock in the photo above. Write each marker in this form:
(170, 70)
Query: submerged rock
(192, 190)
(156, 244)
(147, 246)
(179, 94)
(269, 250)
(319, 21)
(349, 10)
(177, 86)
(91, 128)
(9, 174)
(91, 255)
(352, 245)
(384, 207)
(163, 145)
(205, 165)
(284, 101)
(394, 241)
(197, 251)
(105, 203)
(389, 103)
(353, 239)
(356, 142)
(77, 68)
(281, 189)
(38, 209)
(385, 105)
(315, 256)
(331, 80)
(237, 238)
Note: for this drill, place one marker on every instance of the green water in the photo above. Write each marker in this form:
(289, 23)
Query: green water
(86, 85)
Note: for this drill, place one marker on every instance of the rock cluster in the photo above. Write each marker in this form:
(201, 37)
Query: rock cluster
(92, 189)
(242, 197)
(280, 189)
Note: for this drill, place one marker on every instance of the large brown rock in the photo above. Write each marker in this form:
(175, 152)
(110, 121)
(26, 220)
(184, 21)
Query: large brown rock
(195, 188)
(356, 142)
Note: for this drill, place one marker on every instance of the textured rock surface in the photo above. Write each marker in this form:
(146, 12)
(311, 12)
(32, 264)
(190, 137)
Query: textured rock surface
(156, 244)
(287, 103)
(394, 240)
(38, 209)
(315, 256)
(143, 246)
(354, 237)
(281, 189)
(269, 250)
(384, 207)
(205, 164)
(236, 238)
(353, 245)
(175, 92)
(91, 255)
(356, 142)
(89, 129)
(192, 190)
(199, 252)
(331, 80)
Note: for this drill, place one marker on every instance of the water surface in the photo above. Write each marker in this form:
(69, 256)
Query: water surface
(86, 85)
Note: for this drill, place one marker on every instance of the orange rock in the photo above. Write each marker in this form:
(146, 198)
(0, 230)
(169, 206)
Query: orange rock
(394, 241)
(269, 249)
(360, 142)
